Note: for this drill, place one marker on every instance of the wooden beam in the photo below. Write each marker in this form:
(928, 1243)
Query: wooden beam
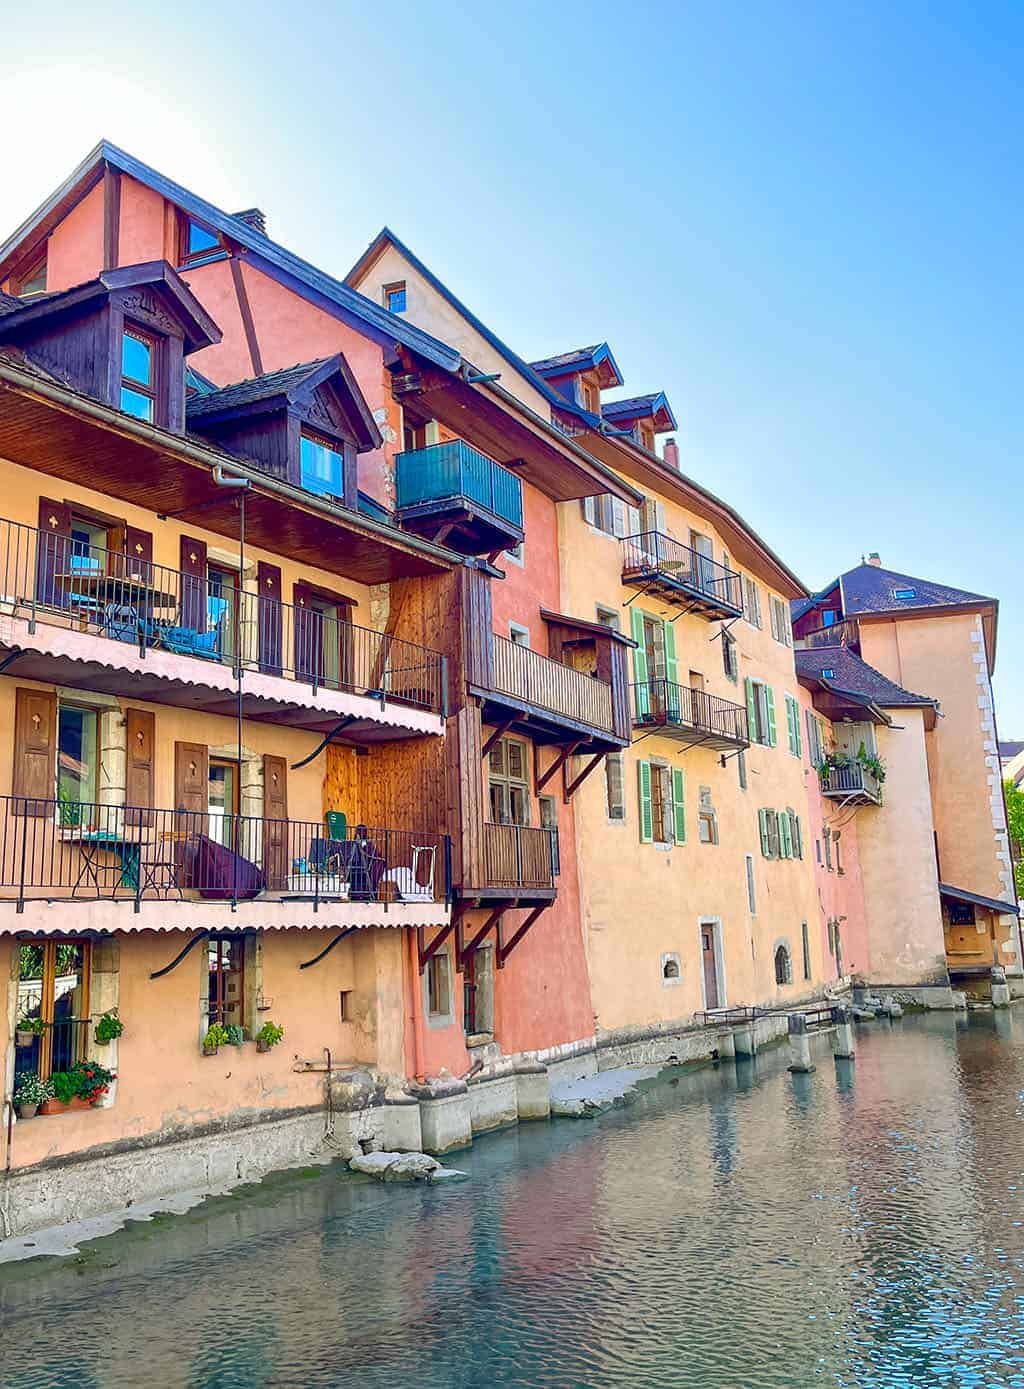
(499, 732)
(504, 951)
(427, 952)
(463, 951)
(578, 781)
(441, 538)
(563, 756)
(248, 322)
(111, 216)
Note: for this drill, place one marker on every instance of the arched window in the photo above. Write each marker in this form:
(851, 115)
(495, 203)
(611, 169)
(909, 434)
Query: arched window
(783, 966)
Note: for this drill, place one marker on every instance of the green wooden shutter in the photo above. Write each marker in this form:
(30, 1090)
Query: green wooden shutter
(679, 805)
(789, 723)
(798, 837)
(641, 691)
(646, 811)
(762, 824)
(785, 838)
(751, 709)
(769, 701)
(798, 750)
(671, 668)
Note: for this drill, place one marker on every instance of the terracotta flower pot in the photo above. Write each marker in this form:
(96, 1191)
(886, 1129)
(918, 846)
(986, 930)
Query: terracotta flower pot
(27, 1111)
(209, 1049)
(23, 1037)
(262, 1046)
(79, 1102)
(52, 1106)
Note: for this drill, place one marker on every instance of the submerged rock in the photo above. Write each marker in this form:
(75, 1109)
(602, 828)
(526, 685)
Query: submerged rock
(403, 1167)
(591, 1095)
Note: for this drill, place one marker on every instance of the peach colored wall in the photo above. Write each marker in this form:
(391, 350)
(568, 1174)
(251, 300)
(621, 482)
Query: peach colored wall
(74, 252)
(944, 657)
(167, 1087)
(528, 587)
(897, 858)
(141, 226)
(840, 894)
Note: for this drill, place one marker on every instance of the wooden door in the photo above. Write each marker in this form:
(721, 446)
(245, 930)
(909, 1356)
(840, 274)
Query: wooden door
(191, 777)
(707, 950)
(275, 821)
(268, 616)
(193, 583)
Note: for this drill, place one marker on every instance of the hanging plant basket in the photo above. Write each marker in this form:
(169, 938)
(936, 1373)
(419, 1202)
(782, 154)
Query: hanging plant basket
(23, 1037)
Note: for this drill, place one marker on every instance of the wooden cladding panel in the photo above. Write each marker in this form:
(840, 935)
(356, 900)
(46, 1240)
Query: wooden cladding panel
(398, 785)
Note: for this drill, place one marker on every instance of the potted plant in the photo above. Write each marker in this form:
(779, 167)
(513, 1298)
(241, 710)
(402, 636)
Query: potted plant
(91, 1080)
(30, 1093)
(64, 1087)
(268, 1036)
(216, 1036)
(108, 1028)
(26, 1029)
(235, 1034)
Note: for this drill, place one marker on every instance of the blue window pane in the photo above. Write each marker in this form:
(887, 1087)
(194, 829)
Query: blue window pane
(135, 403)
(396, 300)
(136, 360)
(200, 240)
(322, 469)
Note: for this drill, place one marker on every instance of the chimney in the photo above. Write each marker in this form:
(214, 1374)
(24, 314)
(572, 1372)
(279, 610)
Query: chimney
(255, 218)
(671, 454)
(874, 560)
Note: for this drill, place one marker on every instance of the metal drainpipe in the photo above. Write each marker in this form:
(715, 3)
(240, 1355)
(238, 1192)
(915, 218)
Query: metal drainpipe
(417, 1006)
(241, 484)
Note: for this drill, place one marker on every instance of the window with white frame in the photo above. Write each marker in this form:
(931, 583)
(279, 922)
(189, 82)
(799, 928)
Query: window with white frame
(615, 799)
(782, 629)
(508, 768)
(751, 602)
(760, 712)
(751, 891)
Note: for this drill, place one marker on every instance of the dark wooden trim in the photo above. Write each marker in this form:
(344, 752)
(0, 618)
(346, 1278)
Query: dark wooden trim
(499, 732)
(563, 756)
(111, 216)
(578, 781)
(427, 952)
(462, 952)
(504, 951)
(245, 310)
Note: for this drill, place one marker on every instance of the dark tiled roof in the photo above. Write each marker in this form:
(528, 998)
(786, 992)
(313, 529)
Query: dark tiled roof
(961, 894)
(854, 676)
(1008, 750)
(799, 606)
(634, 407)
(581, 357)
(256, 388)
(869, 589)
(8, 303)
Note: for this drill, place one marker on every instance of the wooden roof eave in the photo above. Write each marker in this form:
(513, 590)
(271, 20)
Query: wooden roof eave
(60, 432)
(744, 544)
(500, 425)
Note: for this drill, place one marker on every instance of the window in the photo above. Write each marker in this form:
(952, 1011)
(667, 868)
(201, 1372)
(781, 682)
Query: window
(88, 547)
(608, 617)
(828, 617)
(138, 374)
(793, 725)
(439, 985)
(751, 602)
(761, 712)
(904, 595)
(828, 673)
(322, 467)
(817, 850)
(796, 834)
(53, 985)
(394, 297)
(226, 992)
(549, 820)
(805, 941)
(783, 965)
(77, 762)
(591, 397)
(707, 827)
(741, 769)
(509, 787)
(606, 513)
(345, 1005)
(31, 280)
(782, 629)
(671, 971)
(662, 804)
(771, 839)
(815, 742)
(730, 659)
(197, 243)
(827, 838)
(751, 893)
(615, 799)
(518, 635)
(835, 845)
(831, 936)
(223, 800)
(515, 555)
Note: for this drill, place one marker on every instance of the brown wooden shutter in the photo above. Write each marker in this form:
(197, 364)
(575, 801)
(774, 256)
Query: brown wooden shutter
(307, 634)
(191, 777)
(138, 549)
(35, 751)
(139, 783)
(269, 616)
(193, 583)
(275, 826)
(53, 551)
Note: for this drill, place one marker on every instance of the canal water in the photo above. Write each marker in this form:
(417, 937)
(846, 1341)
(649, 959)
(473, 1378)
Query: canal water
(736, 1227)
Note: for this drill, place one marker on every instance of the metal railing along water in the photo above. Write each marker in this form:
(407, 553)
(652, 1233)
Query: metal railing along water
(75, 850)
(548, 684)
(57, 580)
(653, 554)
(667, 702)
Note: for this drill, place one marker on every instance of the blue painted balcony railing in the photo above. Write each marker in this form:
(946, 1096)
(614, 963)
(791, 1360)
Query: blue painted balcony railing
(456, 472)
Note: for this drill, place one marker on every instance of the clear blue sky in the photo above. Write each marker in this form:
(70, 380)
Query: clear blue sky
(801, 220)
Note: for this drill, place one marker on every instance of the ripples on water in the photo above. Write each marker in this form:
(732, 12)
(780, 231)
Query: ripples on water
(736, 1228)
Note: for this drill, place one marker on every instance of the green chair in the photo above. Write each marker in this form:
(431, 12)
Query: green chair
(337, 824)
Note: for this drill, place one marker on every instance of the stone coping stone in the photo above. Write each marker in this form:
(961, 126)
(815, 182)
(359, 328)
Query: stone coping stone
(582, 1099)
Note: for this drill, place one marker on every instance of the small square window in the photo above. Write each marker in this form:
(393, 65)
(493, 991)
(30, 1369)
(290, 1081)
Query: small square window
(828, 673)
(198, 243)
(518, 635)
(904, 595)
(439, 998)
(394, 297)
(345, 1005)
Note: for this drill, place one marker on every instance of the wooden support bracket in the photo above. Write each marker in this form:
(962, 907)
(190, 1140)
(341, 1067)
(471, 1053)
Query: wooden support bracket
(578, 781)
(427, 952)
(505, 949)
(559, 762)
(463, 951)
(499, 732)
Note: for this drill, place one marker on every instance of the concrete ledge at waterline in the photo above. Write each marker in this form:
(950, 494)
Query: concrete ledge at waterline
(582, 1099)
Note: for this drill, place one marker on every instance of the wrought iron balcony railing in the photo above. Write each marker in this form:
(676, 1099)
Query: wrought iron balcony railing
(854, 781)
(691, 715)
(659, 562)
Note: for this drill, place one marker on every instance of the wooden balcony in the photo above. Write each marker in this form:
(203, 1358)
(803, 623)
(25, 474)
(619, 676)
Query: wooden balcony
(690, 716)
(98, 618)
(846, 633)
(853, 784)
(458, 497)
(519, 860)
(657, 564)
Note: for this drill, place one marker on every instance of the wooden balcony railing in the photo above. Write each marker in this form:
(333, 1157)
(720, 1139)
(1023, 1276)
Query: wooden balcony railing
(57, 580)
(547, 684)
(70, 850)
(517, 856)
(846, 633)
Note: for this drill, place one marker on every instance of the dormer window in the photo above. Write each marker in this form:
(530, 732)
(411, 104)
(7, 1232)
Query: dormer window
(197, 243)
(394, 297)
(322, 467)
(138, 374)
(904, 595)
(31, 280)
